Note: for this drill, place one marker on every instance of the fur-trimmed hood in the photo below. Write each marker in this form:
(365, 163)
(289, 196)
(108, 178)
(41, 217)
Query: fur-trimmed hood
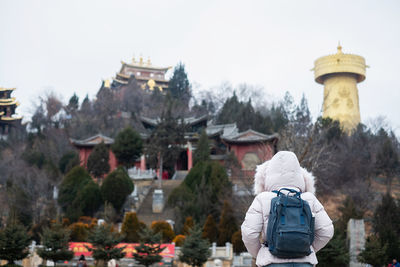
(283, 170)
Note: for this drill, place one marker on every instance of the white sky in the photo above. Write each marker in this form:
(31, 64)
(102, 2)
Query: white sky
(70, 46)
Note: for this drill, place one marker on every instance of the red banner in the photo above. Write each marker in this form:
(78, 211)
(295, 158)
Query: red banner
(80, 248)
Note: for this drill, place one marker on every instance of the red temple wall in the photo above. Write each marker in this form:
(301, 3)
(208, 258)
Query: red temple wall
(263, 151)
(84, 153)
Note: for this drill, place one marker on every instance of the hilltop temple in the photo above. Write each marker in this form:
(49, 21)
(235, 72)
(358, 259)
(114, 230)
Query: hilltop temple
(340, 73)
(147, 76)
(8, 118)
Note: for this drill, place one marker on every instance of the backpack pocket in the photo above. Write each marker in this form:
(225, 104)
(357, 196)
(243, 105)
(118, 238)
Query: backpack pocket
(293, 243)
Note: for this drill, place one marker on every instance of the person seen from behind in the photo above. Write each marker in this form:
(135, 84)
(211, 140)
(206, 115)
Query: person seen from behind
(81, 261)
(283, 172)
(394, 263)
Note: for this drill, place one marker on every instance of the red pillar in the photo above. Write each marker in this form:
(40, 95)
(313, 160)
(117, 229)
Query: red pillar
(189, 154)
(142, 163)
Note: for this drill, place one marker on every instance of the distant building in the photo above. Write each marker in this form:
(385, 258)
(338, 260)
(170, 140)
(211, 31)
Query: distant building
(86, 146)
(249, 147)
(8, 117)
(147, 76)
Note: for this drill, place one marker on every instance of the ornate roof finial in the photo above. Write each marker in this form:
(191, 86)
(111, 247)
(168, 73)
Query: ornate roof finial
(148, 61)
(133, 59)
(339, 48)
(107, 83)
(141, 60)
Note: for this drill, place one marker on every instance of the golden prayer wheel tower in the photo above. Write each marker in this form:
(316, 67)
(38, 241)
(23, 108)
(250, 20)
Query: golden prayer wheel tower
(340, 73)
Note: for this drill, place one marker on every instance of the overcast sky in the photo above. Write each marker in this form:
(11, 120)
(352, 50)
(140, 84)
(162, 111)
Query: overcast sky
(70, 46)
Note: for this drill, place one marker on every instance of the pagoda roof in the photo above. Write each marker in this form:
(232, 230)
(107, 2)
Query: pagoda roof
(93, 140)
(249, 136)
(9, 102)
(147, 66)
(224, 130)
(188, 120)
(120, 81)
(13, 118)
(2, 89)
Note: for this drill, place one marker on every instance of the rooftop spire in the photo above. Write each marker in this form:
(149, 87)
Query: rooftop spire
(339, 48)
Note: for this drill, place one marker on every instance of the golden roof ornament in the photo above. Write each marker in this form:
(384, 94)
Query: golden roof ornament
(133, 59)
(339, 49)
(148, 61)
(141, 60)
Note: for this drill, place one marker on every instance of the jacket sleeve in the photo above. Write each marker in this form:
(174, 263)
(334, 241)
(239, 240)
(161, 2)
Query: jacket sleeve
(252, 227)
(323, 226)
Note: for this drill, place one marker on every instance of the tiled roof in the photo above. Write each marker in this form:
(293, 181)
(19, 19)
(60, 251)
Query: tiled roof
(92, 141)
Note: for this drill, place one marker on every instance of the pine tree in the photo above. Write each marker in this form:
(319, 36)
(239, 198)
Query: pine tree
(55, 244)
(335, 253)
(127, 147)
(104, 241)
(237, 242)
(131, 227)
(188, 225)
(386, 224)
(202, 152)
(179, 85)
(75, 180)
(387, 160)
(97, 163)
(374, 253)
(165, 229)
(227, 225)
(195, 250)
(14, 242)
(88, 199)
(210, 230)
(73, 104)
(149, 249)
(116, 187)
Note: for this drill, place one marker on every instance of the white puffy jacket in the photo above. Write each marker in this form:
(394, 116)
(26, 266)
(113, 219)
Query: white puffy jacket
(282, 171)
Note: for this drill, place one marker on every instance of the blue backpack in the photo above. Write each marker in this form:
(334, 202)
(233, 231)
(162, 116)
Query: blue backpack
(290, 230)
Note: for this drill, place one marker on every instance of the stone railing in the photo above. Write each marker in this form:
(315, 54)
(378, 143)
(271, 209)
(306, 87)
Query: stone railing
(138, 174)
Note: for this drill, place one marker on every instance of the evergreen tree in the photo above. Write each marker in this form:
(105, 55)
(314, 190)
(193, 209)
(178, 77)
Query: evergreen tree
(127, 147)
(116, 188)
(73, 104)
(55, 244)
(227, 225)
(237, 242)
(195, 250)
(75, 180)
(335, 253)
(374, 253)
(386, 224)
(131, 227)
(88, 199)
(104, 241)
(387, 160)
(179, 85)
(210, 230)
(165, 142)
(14, 242)
(202, 152)
(97, 163)
(149, 249)
(188, 225)
(68, 161)
(79, 232)
(165, 229)
(202, 192)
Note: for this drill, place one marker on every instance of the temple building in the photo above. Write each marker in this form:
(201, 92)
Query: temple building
(148, 77)
(8, 118)
(340, 73)
(250, 147)
(86, 146)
